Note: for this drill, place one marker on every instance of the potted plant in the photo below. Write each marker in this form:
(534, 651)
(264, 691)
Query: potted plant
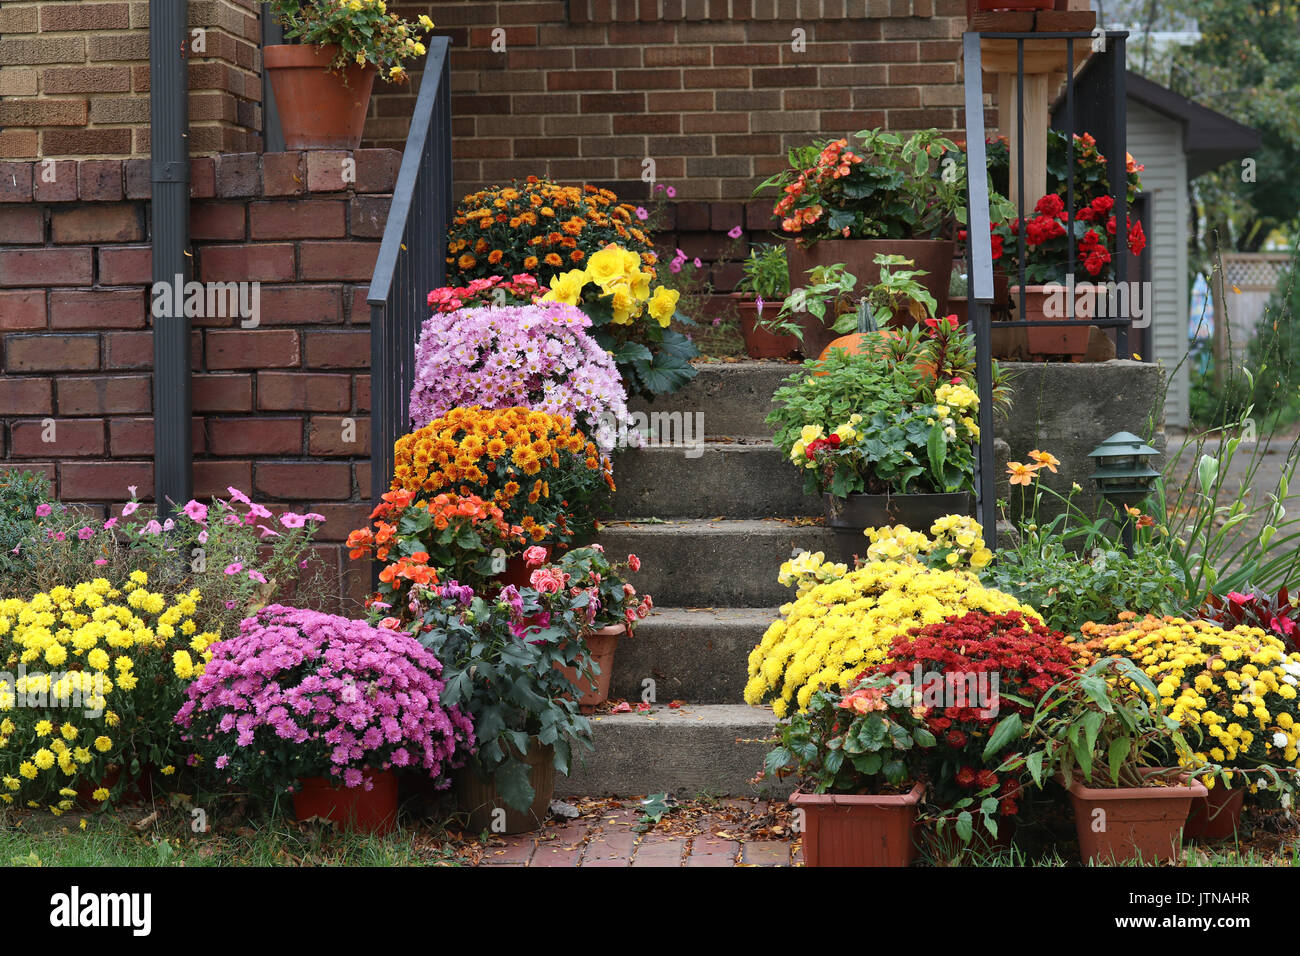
(763, 288)
(1105, 735)
(877, 438)
(322, 83)
(612, 612)
(856, 755)
(1231, 689)
(505, 662)
(883, 194)
(375, 703)
(1051, 292)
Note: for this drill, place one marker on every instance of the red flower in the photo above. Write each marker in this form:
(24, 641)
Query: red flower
(1049, 205)
(955, 738)
(986, 778)
(966, 777)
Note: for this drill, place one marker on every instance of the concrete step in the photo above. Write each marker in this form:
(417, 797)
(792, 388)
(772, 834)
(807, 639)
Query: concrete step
(697, 655)
(724, 563)
(736, 479)
(731, 398)
(714, 749)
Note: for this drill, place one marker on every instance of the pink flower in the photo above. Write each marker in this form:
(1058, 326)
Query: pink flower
(258, 511)
(670, 192)
(203, 537)
(1236, 597)
(292, 520)
(735, 232)
(101, 561)
(86, 533)
(234, 568)
(108, 525)
(153, 527)
(642, 214)
(131, 488)
(43, 510)
(129, 508)
(548, 580)
(634, 562)
(237, 495)
(534, 556)
(268, 532)
(256, 576)
(313, 516)
(391, 623)
(60, 536)
(697, 263)
(760, 303)
(196, 511)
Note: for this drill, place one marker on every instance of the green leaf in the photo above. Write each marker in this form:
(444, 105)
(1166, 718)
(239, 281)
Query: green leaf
(1035, 764)
(512, 783)
(965, 826)
(1117, 754)
(1009, 728)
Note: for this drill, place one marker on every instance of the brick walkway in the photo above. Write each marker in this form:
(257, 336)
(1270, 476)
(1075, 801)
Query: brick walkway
(731, 833)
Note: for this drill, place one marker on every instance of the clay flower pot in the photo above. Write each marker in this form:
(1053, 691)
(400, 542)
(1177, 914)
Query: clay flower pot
(602, 644)
(352, 808)
(760, 343)
(1118, 824)
(1217, 815)
(847, 829)
(485, 806)
(318, 109)
(1053, 340)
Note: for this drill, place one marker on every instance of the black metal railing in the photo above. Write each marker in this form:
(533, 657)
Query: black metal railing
(1105, 111)
(412, 262)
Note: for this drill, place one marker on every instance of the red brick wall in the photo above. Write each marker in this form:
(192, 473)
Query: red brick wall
(269, 402)
(712, 90)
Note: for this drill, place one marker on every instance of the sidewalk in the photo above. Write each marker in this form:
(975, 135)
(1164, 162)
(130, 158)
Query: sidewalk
(703, 833)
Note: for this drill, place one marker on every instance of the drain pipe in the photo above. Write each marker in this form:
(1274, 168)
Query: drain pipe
(172, 260)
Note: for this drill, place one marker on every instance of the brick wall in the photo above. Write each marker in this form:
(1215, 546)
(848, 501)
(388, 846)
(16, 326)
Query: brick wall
(270, 403)
(74, 78)
(713, 91)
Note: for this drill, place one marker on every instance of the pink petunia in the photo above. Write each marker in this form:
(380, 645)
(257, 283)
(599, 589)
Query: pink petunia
(86, 533)
(670, 192)
(101, 561)
(642, 214)
(735, 232)
(130, 508)
(234, 568)
(196, 511)
(258, 511)
(268, 532)
(153, 527)
(237, 495)
(108, 525)
(292, 520)
(43, 510)
(256, 576)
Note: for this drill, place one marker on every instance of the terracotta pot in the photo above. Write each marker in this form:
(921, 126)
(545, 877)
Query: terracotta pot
(318, 109)
(760, 343)
(846, 829)
(1217, 815)
(849, 517)
(352, 808)
(1057, 340)
(595, 690)
(1115, 825)
(858, 257)
(481, 799)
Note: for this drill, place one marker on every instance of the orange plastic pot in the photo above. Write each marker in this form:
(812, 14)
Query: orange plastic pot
(318, 109)
(1217, 815)
(1061, 341)
(352, 808)
(849, 829)
(595, 690)
(1119, 824)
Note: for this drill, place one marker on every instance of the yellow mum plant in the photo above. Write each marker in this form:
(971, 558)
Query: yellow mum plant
(91, 677)
(842, 622)
(954, 540)
(1234, 689)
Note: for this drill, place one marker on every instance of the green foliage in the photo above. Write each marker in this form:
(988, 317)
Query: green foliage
(20, 494)
(857, 742)
(364, 31)
(767, 273)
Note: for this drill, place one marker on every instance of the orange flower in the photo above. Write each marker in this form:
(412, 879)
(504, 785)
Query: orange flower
(1045, 459)
(1021, 474)
(553, 259)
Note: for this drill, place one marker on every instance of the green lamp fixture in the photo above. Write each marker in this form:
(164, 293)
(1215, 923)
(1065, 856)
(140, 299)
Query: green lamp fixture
(1124, 474)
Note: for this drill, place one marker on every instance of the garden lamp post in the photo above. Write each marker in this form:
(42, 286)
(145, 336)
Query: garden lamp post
(1124, 475)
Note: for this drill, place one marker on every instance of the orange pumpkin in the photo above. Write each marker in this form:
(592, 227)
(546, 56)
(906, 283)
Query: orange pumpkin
(872, 341)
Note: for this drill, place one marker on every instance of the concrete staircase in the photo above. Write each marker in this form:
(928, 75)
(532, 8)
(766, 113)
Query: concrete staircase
(711, 525)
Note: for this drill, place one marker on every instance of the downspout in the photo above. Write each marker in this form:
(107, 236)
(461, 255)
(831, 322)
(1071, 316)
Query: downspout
(172, 260)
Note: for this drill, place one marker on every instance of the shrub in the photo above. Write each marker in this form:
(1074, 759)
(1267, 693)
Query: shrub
(300, 694)
(531, 356)
(21, 494)
(838, 628)
(538, 468)
(539, 227)
(102, 668)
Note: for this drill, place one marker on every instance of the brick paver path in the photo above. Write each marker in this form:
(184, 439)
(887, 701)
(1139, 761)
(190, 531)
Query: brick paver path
(728, 833)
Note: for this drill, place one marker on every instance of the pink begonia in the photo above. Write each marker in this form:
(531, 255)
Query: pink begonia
(196, 511)
(43, 510)
(536, 356)
(548, 580)
(346, 696)
(129, 508)
(535, 555)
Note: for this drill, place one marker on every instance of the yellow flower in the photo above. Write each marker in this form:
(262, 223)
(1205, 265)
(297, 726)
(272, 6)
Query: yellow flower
(103, 744)
(101, 794)
(425, 21)
(43, 759)
(567, 287)
(663, 304)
